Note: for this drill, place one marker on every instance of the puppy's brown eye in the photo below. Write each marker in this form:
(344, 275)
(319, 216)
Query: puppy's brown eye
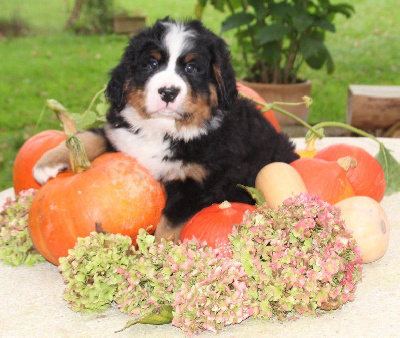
(190, 68)
(152, 64)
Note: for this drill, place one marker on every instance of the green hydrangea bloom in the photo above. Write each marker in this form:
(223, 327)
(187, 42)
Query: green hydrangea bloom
(90, 270)
(16, 247)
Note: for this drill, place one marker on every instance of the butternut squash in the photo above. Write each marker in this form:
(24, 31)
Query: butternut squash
(367, 220)
(279, 181)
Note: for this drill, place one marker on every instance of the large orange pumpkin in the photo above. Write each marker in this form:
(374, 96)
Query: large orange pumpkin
(324, 179)
(252, 94)
(116, 193)
(214, 224)
(367, 177)
(31, 151)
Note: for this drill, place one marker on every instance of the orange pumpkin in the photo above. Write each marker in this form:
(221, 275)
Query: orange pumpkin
(252, 94)
(324, 179)
(214, 224)
(116, 192)
(367, 177)
(31, 151)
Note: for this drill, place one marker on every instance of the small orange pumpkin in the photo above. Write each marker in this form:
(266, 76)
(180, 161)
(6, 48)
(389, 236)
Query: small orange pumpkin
(214, 224)
(324, 179)
(30, 152)
(116, 193)
(252, 94)
(367, 177)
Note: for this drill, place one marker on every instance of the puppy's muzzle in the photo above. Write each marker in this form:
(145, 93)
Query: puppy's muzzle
(169, 94)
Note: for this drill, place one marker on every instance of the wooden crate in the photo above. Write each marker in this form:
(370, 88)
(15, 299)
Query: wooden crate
(128, 24)
(373, 107)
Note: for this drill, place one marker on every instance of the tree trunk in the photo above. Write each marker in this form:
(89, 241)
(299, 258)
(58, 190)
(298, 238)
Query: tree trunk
(75, 12)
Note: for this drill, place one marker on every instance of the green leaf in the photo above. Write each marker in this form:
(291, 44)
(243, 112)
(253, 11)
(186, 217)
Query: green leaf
(302, 21)
(259, 8)
(271, 33)
(271, 51)
(342, 8)
(282, 10)
(236, 20)
(85, 120)
(237, 3)
(314, 51)
(325, 24)
(219, 5)
(159, 316)
(102, 108)
(391, 169)
(255, 194)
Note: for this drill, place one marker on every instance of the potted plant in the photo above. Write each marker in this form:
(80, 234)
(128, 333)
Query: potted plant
(276, 37)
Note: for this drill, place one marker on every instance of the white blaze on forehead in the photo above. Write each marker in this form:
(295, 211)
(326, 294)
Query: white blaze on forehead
(176, 40)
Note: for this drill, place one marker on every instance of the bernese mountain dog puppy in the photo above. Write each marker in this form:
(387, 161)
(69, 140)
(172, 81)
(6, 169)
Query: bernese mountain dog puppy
(175, 108)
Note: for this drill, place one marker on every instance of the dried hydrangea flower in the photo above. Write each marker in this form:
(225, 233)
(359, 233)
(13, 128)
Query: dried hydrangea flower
(90, 270)
(210, 291)
(146, 285)
(206, 291)
(299, 258)
(16, 246)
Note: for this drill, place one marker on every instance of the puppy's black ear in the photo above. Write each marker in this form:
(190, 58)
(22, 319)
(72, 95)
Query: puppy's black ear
(115, 88)
(224, 74)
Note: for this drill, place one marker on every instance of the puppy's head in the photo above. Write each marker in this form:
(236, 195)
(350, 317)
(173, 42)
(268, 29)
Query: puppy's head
(176, 77)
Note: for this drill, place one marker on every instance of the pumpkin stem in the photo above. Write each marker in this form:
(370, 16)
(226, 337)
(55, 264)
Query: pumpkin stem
(225, 205)
(99, 228)
(347, 162)
(78, 157)
(68, 123)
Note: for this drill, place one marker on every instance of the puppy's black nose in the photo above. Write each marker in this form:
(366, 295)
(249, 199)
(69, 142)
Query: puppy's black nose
(169, 94)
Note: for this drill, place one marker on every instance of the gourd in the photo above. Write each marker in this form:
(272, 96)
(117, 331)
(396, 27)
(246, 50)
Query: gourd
(114, 194)
(214, 224)
(310, 150)
(30, 152)
(366, 177)
(325, 179)
(279, 181)
(367, 220)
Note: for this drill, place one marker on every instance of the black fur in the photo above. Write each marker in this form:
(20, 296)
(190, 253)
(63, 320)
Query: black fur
(231, 154)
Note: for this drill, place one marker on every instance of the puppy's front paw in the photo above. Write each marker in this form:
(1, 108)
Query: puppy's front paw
(165, 229)
(42, 173)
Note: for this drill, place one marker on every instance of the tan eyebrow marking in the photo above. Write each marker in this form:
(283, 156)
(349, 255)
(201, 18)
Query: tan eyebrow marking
(189, 57)
(156, 55)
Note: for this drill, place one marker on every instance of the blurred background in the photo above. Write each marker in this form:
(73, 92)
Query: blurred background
(64, 50)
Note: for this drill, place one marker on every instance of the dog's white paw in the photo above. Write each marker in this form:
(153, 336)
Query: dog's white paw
(43, 173)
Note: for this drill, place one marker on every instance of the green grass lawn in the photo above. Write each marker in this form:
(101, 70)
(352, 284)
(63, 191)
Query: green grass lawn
(52, 64)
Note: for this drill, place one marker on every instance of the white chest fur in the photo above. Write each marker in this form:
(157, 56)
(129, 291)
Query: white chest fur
(150, 150)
